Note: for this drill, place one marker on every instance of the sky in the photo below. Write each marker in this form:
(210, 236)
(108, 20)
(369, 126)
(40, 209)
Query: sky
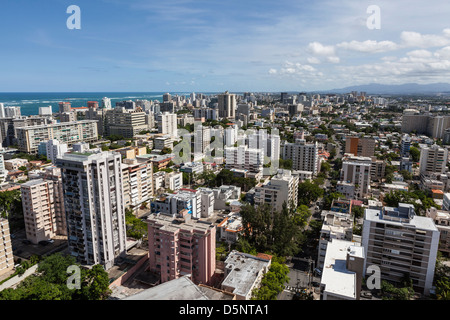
(214, 46)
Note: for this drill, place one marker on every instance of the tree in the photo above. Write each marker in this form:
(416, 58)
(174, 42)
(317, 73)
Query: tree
(51, 282)
(308, 192)
(328, 199)
(272, 282)
(415, 153)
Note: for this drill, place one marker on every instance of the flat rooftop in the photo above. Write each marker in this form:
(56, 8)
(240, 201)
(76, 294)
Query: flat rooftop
(244, 271)
(416, 221)
(335, 276)
(180, 289)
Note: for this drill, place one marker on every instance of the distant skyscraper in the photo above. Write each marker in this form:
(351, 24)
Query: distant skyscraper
(167, 124)
(55, 149)
(227, 105)
(2, 110)
(12, 112)
(433, 159)
(93, 198)
(106, 103)
(45, 111)
(65, 107)
(167, 97)
(405, 146)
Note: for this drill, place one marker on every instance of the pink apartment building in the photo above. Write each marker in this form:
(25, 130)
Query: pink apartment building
(179, 247)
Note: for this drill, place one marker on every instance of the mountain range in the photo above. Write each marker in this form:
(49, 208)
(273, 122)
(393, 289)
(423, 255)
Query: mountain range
(402, 89)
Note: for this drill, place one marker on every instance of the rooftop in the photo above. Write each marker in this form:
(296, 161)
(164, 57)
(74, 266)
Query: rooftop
(180, 289)
(335, 276)
(244, 270)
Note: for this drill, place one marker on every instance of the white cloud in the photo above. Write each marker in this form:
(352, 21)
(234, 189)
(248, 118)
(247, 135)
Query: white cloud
(415, 39)
(272, 71)
(313, 60)
(333, 59)
(317, 48)
(368, 46)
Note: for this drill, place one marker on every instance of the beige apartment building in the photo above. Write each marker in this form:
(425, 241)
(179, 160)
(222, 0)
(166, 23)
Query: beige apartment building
(29, 138)
(38, 210)
(6, 253)
(137, 182)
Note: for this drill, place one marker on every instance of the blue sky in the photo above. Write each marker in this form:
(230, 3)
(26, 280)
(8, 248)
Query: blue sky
(209, 45)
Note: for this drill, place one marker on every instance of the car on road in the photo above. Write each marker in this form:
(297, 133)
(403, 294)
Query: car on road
(318, 272)
(26, 241)
(43, 242)
(50, 241)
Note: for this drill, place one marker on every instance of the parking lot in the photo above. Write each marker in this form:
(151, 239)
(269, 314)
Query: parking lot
(23, 250)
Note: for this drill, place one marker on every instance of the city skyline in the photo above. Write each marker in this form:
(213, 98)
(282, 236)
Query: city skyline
(211, 46)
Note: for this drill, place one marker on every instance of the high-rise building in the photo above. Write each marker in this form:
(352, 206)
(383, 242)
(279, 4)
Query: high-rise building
(243, 157)
(401, 243)
(2, 110)
(227, 105)
(106, 103)
(12, 112)
(304, 156)
(124, 122)
(355, 177)
(167, 97)
(270, 143)
(364, 147)
(281, 189)
(6, 252)
(433, 159)
(94, 204)
(30, 137)
(137, 177)
(55, 149)
(41, 210)
(405, 146)
(65, 107)
(178, 247)
(167, 124)
(45, 111)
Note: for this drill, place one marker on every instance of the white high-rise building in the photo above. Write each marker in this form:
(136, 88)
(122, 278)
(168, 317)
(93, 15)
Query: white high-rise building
(400, 242)
(270, 143)
(94, 204)
(2, 110)
(12, 112)
(231, 135)
(355, 177)
(433, 159)
(55, 149)
(45, 111)
(243, 157)
(167, 124)
(282, 188)
(106, 103)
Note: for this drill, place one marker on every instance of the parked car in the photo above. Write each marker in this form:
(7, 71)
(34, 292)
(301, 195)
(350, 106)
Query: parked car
(318, 272)
(44, 242)
(26, 241)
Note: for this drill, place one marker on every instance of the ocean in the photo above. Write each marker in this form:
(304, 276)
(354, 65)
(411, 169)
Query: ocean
(29, 102)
